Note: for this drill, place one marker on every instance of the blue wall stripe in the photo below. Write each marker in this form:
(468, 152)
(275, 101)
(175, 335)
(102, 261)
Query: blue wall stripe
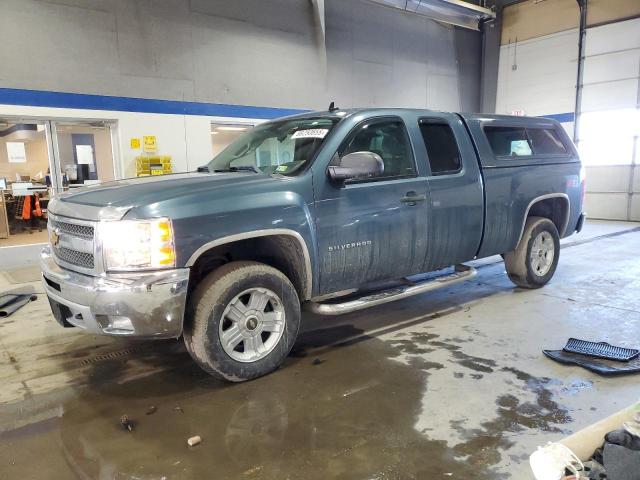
(40, 98)
(561, 117)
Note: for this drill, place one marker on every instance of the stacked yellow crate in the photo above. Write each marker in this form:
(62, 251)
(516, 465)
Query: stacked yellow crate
(153, 165)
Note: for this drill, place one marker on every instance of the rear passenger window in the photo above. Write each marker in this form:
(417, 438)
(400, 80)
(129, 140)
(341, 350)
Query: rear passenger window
(442, 149)
(545, 141)
(508, 141)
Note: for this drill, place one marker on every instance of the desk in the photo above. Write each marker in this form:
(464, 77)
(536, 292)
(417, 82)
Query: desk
(11, 210)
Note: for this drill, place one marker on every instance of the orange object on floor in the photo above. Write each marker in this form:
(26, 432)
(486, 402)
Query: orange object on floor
(26, 208)
(38, 210)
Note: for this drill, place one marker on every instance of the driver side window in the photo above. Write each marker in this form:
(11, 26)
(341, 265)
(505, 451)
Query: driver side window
(389, 139)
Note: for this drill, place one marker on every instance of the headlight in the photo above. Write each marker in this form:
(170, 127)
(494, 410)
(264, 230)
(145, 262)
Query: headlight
(138, 244)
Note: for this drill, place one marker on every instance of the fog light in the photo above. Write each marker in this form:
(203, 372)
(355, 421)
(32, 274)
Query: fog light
(119, 326)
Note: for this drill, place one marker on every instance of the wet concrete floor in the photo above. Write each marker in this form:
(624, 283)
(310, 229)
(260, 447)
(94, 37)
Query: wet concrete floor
(451, 384)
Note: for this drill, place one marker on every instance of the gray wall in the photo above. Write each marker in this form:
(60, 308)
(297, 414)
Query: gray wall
(254, 52)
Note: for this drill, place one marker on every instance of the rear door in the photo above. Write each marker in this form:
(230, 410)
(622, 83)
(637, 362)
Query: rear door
(373, 229)
(456, 191)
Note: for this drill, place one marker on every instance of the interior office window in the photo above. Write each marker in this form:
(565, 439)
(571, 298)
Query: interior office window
(390, 140)
(545, 141)
(442, 149)
(508, 141)
(16, 152)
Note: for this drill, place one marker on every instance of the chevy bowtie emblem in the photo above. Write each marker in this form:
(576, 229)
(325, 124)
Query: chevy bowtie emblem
(55, 237)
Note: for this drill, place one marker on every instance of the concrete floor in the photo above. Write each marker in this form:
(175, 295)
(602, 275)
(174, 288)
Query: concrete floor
(450, 384)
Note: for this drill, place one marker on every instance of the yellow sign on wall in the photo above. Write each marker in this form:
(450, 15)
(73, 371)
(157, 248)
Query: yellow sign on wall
(150, 144)
(135, 143)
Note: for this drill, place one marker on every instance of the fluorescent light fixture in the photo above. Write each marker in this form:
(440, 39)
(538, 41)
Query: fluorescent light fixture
(214, 133)
(229, 128)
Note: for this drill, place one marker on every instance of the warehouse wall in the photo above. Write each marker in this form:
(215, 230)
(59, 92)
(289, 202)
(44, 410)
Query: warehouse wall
(537, 76)
(381, 57)
(247, 52)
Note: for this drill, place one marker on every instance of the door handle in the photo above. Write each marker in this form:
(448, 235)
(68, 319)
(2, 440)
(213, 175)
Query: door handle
(411, 198)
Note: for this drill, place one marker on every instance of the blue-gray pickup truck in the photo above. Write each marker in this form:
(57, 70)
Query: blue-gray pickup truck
(324, 211)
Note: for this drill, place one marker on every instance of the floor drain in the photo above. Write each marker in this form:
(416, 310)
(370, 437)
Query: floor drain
(112, 355)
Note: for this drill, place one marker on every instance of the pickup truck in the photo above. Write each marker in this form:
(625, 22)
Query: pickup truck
(327, 211)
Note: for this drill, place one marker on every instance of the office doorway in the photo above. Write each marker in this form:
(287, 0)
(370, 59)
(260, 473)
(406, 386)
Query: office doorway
(84, 153)
(25, 181)
(40, 158)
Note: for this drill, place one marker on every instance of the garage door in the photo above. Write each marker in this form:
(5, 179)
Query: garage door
(609, 124)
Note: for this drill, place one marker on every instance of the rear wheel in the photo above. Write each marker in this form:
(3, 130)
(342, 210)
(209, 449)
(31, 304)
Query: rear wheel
(244, 320)
(534, 261)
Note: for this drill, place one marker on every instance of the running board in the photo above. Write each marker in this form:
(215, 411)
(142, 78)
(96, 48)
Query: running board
(461, 273)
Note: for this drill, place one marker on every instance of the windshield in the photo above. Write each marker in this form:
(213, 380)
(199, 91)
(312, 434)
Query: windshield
(281, 147)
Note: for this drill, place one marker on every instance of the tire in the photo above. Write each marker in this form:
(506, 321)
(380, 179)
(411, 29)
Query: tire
(242, 322)
(535, 259)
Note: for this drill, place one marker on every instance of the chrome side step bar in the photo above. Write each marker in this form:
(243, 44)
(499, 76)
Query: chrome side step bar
(461, 273)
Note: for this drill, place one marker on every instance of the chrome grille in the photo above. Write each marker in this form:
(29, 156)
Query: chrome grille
(85, 231)
(72, 242)
(81, 259)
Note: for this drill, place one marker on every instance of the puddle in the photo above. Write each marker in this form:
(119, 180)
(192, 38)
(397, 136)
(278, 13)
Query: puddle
(487, 405)
(350, 416)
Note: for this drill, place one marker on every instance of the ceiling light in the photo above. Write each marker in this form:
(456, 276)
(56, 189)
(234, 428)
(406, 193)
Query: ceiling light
(215, 133)
(231, 129)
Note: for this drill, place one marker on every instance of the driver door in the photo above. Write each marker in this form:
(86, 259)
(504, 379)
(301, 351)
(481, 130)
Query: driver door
(373, 229)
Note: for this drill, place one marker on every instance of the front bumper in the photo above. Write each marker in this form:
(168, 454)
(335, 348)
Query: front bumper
(141, 305)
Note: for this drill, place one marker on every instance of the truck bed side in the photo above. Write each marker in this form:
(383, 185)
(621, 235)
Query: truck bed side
(519, 186)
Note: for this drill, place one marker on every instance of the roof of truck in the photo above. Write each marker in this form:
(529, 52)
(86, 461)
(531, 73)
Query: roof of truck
(482, 117)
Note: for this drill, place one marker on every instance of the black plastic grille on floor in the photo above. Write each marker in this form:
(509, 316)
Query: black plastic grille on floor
(600, 350)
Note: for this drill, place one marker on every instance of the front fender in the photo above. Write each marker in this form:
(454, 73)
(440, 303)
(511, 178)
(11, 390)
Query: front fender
(209, 221)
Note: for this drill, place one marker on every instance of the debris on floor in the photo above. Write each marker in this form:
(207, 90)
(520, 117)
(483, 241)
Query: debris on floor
(600, 350)
(126, 423)
(553, 460)
(612, 454)
(151, 410)
(621, 455)
(193, 441)
(599, 357)
(13, 300)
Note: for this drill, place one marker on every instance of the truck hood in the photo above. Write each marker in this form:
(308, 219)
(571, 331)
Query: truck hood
(135, 192)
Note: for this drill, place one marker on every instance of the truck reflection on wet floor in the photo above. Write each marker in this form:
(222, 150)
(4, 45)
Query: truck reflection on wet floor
(341, 407)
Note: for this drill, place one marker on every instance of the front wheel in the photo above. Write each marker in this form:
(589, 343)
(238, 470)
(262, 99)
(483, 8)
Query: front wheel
(243, 320)
(534, 261)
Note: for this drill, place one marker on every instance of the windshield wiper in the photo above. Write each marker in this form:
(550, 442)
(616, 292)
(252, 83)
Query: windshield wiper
(243, 168)
(204, 169)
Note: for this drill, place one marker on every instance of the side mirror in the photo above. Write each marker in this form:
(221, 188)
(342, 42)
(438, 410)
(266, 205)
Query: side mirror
(357, 165)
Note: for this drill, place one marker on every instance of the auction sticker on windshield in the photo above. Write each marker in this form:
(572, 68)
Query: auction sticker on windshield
(311, 133)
